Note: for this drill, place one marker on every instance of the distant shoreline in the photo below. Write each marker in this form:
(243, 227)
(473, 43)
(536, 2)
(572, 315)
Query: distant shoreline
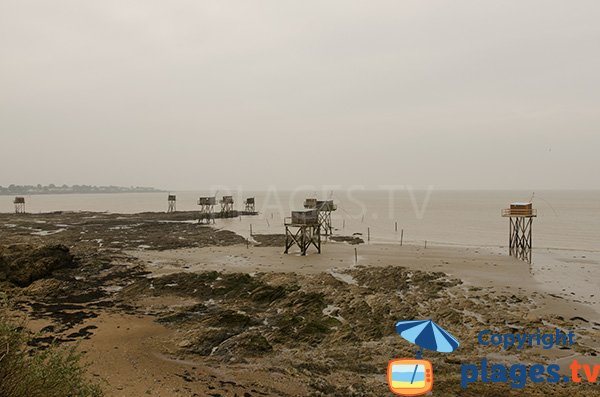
(29, 190)
(66, 193)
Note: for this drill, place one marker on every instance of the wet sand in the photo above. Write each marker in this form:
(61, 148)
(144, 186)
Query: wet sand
(475, 266)
(175, 309)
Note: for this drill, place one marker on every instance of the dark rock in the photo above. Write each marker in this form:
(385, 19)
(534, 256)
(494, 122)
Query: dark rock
(23, 264)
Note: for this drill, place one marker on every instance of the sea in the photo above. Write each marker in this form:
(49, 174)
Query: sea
(566, 220)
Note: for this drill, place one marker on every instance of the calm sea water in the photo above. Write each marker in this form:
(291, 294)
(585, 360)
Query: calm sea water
(566, 219)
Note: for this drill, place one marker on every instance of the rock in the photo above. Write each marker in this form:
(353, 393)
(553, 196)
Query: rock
(249, 344)
(23, 264)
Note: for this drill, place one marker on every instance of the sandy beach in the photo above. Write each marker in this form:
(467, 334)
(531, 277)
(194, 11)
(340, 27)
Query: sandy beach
(177, 309)
(299, 199)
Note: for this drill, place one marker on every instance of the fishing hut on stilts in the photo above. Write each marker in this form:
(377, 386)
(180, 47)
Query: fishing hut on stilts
(520, 217)
(250, 205)
(207, 209)
(324, 209)
(19, 203)
(303, 229)
(172, 199)
(227, 207)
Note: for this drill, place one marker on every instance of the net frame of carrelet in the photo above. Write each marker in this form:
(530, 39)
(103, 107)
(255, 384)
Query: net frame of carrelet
(303, 229)
(520, 233)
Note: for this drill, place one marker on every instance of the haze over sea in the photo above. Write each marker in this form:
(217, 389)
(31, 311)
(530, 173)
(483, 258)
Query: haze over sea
(566, 219)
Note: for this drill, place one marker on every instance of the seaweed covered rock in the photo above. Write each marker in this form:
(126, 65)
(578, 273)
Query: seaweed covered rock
(23, 264)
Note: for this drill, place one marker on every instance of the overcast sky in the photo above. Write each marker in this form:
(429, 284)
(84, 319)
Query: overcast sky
(189, 94)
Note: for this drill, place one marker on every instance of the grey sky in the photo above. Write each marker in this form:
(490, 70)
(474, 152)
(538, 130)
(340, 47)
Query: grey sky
(187, 94)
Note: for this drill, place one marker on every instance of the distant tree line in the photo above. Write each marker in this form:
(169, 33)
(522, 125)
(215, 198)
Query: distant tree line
(64, 189)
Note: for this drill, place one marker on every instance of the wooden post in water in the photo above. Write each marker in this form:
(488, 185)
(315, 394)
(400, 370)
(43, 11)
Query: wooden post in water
(425, 244)
(368, 234)
(401, 237)
(344, 224)
(396, 226)
(247, 243)
(355, 255)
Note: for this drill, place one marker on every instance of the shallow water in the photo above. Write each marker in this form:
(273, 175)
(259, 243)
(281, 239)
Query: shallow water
(566, 219)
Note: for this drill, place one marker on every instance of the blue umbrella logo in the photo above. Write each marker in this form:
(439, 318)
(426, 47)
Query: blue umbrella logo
(427, 335)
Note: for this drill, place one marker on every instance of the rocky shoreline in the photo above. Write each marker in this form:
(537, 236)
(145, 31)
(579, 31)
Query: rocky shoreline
(257, 333)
